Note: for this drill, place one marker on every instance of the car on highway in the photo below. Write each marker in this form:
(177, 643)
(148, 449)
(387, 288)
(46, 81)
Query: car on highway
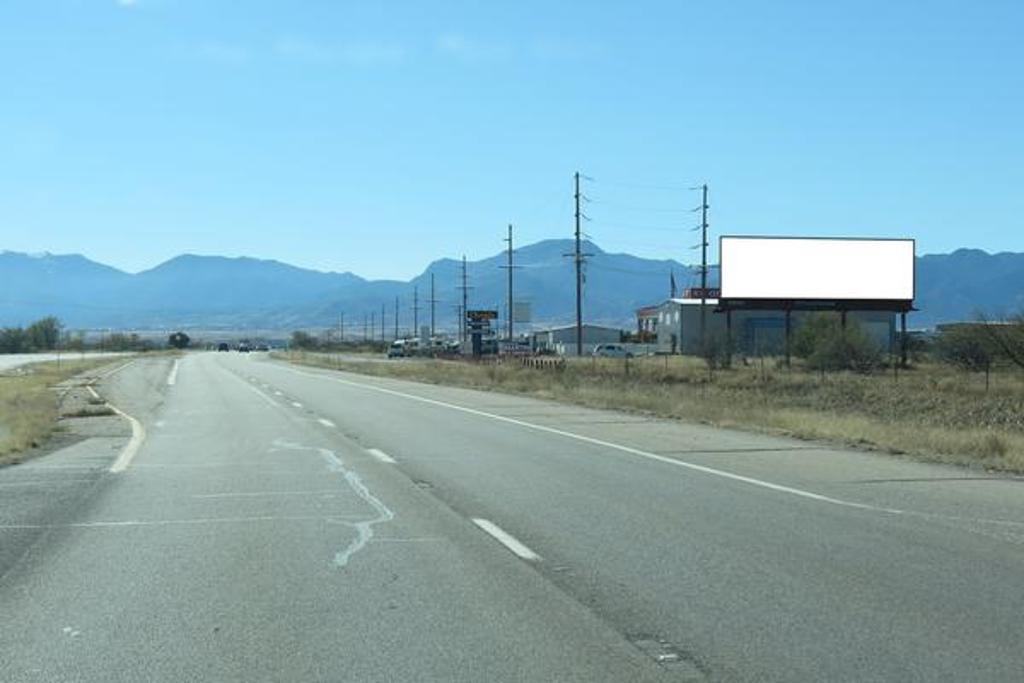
(244, 348)
(223, 346)
(611, 351)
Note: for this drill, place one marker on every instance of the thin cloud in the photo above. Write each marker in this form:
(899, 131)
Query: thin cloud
(224, 54)
(127, 3)
(467, 49)
(360, 53)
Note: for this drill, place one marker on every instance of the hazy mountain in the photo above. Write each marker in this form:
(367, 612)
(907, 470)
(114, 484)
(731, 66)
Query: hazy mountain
(213, 291)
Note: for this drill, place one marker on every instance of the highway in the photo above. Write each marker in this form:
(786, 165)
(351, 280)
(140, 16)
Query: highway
(262, 521)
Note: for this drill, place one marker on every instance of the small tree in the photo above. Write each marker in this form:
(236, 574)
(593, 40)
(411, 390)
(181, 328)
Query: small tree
(1005, 337)
(178, 340)
(827, 345)
(44, 334)
(13, 340)
(967, 347)
(304, 340)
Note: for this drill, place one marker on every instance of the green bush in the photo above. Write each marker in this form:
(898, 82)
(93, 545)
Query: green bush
(826, 345)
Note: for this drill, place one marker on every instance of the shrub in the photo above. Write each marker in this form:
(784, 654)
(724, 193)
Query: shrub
(827, 345)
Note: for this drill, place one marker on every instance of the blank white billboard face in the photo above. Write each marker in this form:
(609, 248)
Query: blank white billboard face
(816, 268)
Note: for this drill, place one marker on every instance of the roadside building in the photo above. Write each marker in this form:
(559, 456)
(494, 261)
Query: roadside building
(647, 324)
(754, 332)
(562, 340)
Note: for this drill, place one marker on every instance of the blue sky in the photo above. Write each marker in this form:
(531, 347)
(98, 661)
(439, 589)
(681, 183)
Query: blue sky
(375, 137)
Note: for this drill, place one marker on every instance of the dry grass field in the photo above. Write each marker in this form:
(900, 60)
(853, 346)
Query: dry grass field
(29, 402)
(931, 411)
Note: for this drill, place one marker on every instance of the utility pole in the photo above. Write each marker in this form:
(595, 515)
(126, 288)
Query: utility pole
(373, 325)
(365, 323)
(382, 312)
(465, 302)
(341, 326)
(703, 264)
(579, 274)
(415, 311)
(433, 303)
(396, 318)
(510, 267)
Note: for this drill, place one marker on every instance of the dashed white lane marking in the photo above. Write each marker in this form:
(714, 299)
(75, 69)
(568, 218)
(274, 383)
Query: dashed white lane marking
(608, 444)
(278, 393)
(506, 539)
(296, 404)
(381, 455)
(172, 378)
(325, 422)
(92, 391)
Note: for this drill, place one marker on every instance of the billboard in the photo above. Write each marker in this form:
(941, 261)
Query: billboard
(816, 268)
(521, 311)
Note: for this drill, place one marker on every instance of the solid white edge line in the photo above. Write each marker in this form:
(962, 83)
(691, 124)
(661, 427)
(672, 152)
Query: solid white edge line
(608, 444)
(325, 422)
(506, 539)
(381, 455)
(172, 377)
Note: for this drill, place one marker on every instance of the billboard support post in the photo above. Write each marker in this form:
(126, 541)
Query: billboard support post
(789, 329)
(728, 338)
(903, 339)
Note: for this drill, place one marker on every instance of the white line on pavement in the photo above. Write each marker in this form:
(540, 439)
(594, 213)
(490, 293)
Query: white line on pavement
(381, 455)
(132, 447)
(608, 444)
(296, 404)
(169, 522)
(173, 376)
(257, 494)
(506, 539)
(325, 422)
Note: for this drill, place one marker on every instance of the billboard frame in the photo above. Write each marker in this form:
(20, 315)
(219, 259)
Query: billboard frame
(841, 306)
(829, 304)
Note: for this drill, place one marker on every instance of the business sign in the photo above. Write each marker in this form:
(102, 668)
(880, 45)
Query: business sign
(816, 269)
(481, 315)
(702, 293)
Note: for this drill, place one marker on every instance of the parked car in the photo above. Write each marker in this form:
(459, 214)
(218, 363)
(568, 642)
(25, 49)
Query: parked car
(612, 351)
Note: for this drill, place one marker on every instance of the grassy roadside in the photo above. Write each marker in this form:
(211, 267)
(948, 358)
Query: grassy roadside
(29, 404)
(932, 412)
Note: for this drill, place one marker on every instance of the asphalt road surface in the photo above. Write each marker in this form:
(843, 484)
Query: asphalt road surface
(269, 522)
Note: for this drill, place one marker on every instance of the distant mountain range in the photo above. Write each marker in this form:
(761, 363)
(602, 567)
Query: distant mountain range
(212, 292)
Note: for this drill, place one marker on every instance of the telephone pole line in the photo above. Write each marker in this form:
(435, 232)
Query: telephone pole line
(433, 303)
(341, 326)
(415, 311)
(465, 302)
(373, 324)
(510, 267)
(396, 318)
(703, 263)
(578, 258)
(383, 311)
